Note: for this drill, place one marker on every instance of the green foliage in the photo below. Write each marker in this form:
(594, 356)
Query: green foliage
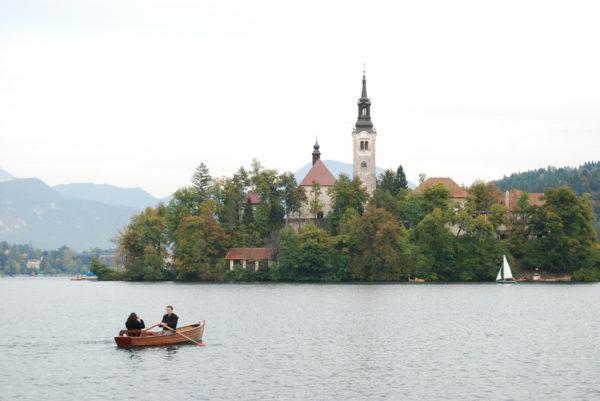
(478, 252)
(143, 244)
(582, 179)
(200, 244)
(436, 245)
(293, 195)
(201, 182)
(103, 272)
(586, 274)
(563, 232)
(346, 194)
(415, 206)
(14, 258)
(392, 182)
(483, 195)
(306, 255)
(379, 247)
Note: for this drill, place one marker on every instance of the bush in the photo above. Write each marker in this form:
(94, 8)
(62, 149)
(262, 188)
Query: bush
(586, 274)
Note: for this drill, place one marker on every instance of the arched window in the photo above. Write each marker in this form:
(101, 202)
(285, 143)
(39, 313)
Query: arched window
(364, 112)
(362, 145)
(363, 164)
(366, 145)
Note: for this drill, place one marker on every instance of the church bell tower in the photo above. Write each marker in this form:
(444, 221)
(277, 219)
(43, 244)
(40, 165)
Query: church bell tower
(363, 138)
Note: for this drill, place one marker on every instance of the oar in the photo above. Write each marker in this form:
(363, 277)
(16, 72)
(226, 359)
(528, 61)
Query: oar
(183, 335)
(148, 328)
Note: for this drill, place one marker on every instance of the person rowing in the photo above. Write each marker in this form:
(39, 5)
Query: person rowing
(169, 320)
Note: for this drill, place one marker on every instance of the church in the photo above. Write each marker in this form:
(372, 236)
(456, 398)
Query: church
(319, 179)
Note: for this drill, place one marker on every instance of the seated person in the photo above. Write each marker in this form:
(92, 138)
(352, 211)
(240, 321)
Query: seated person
(170, 320)
(134, 322)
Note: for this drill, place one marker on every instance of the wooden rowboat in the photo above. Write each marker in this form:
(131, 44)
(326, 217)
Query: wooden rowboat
(138, 338)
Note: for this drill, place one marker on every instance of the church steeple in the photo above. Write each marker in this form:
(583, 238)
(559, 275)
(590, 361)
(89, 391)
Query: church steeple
(316, 154)
(363, 123)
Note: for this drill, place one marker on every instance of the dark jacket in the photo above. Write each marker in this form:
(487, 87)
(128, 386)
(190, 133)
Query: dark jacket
(135, 324)
(170, 321)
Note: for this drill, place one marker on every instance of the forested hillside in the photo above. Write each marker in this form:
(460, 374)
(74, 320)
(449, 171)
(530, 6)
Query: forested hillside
(582, 179)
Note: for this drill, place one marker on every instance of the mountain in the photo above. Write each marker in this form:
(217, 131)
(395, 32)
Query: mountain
(131, 198)
(31, 211)
(337, 168)
(5, 176)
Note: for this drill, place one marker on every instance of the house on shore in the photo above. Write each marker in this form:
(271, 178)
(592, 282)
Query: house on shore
(243, 257)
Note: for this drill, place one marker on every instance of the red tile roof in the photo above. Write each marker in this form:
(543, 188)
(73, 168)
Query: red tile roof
(534, 199)
(254, 198)
(249, 254)
(455, 190)
(320, 174)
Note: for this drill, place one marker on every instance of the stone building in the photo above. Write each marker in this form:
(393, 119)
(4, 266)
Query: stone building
(363, 139)
(316, 185)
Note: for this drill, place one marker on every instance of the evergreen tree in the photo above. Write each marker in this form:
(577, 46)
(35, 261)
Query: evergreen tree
(201, 182)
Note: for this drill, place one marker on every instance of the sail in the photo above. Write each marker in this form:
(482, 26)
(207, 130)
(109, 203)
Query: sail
(507, 273)
(499, 276)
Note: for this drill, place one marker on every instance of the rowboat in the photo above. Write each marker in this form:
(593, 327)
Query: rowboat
(140, 338)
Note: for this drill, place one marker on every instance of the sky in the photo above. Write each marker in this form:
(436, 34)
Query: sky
(137, 93)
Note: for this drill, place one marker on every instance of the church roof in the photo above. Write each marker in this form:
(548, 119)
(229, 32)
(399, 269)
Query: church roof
(249, 254)
(320, 174)
(455, 191)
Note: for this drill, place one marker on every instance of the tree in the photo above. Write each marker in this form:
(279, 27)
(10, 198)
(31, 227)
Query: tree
(386, 181)
(143, 244)
(483, 195)
(436, 246)
(201, 182)
(379, 247)
(400, 180)
(563, 232)
(315, 204)
(293, 195)
(199, 248)
(479, 254)
(269, 214)
(436, 197)
(306, 255)
(346, 194)
(183, 203)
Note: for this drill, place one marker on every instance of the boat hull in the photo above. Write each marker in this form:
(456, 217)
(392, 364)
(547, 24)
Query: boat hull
(506, 282)
(151, 339)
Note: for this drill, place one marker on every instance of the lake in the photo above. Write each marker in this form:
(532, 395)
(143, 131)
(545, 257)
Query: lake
(303, 341)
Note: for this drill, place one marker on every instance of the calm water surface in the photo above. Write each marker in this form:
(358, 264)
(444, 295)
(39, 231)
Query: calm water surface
(303, 342)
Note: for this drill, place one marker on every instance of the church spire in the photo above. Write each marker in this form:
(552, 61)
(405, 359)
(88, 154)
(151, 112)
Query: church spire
(316, 154)
(363, 123)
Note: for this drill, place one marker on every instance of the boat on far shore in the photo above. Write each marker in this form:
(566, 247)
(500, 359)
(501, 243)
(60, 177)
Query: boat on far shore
(504, 274)
(415, 280)
(88, 276)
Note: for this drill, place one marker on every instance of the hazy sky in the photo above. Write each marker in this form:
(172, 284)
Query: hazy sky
(137, 93)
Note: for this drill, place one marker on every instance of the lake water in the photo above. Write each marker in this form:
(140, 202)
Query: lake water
(303, 342)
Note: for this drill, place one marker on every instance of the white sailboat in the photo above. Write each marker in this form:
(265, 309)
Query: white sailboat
(504, 274)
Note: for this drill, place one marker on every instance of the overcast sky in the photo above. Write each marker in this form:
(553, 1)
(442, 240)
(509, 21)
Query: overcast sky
(137, 93)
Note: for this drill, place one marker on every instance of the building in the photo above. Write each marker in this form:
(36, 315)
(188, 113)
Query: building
(363, 139)
(34, 263)
(316, 185)
(254, 256)
(511, 199)
(458, 195)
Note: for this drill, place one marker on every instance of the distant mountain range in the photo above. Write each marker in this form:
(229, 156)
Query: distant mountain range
(81, 215)
(5, 176)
